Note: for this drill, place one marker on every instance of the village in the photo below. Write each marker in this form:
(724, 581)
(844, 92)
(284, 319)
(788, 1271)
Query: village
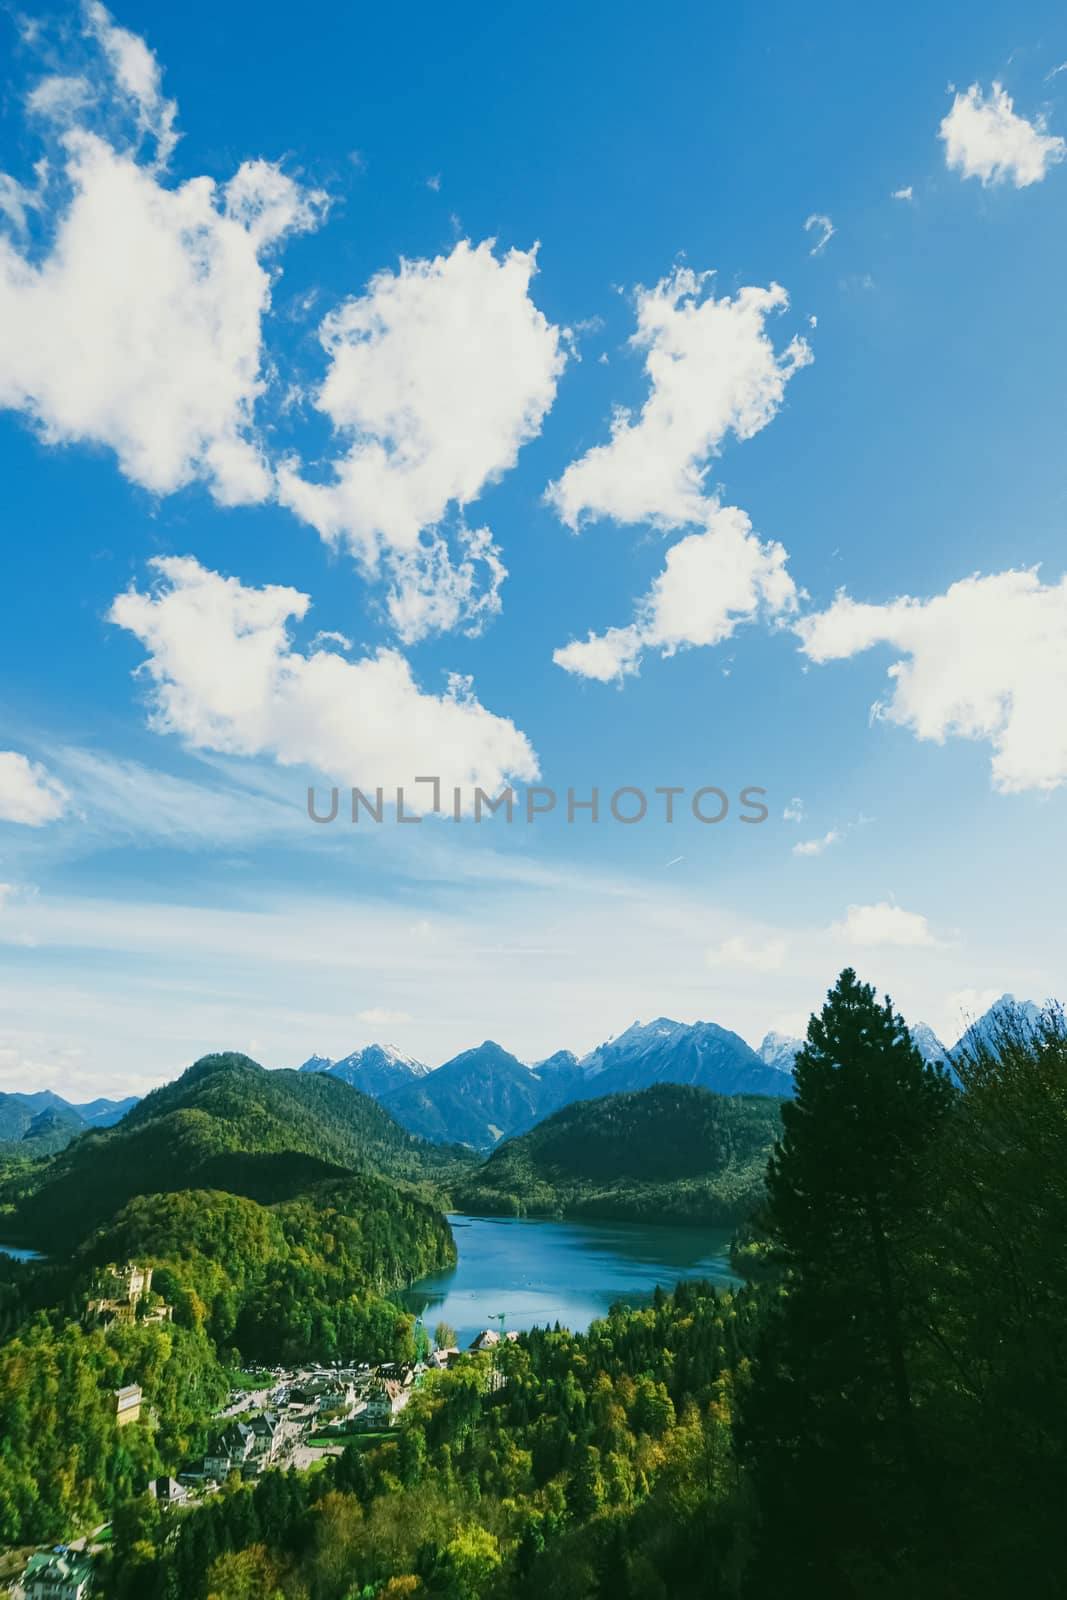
(279, 1418)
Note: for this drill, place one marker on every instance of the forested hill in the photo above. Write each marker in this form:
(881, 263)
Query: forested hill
(672, 1152)
(225, 1124)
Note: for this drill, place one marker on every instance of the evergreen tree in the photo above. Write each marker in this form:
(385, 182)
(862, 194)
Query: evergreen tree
(850, 1187)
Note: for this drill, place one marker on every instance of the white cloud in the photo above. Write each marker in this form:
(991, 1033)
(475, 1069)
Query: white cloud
(794, 811)
(138, 77)
(965, 1006)
(903, 194)
(712, 581)
(27, 793)
(884, 924)
(60, 98)
(987, 139)
(815, 847)
(225, 677)
(763, 955)
(986, 660)
(712, 370)
(431, 592)
(125, 800)
(382, 1017)
(139, 329)
(824, 228)
(437, 376)
(16, 202)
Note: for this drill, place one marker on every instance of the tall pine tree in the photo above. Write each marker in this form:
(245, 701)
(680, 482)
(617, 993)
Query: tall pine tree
(833, 1424)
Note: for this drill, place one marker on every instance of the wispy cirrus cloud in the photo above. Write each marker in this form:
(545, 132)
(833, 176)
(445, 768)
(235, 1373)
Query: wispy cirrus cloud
(823, 229)
(816, 847)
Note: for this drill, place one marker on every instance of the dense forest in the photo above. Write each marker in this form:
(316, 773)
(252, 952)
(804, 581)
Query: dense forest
(880, 1413)
(305, 1279)
(280, 1255)
(669, 1153)
(226, 1123)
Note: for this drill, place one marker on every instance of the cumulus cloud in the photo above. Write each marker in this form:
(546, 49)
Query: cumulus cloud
(711, 582)
(903, 194)
(437, 376)
(27, 793)
(224, 676)
(986, 138)
(884, 924)
(761, 955)
(794, 811)
(986, 660)
(815, 847)
(139, 327)
(713, 370)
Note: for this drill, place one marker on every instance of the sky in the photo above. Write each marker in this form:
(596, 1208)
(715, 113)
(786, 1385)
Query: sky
(526, 404)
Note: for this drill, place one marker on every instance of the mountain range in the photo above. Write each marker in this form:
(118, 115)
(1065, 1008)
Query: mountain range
(486, 1095)
(225, 1124)
(41, 1123)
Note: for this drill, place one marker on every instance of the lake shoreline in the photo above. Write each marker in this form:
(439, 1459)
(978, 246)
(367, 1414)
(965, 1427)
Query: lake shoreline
(536, 1271)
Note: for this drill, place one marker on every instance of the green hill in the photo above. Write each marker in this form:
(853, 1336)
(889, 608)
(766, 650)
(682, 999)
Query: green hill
(225, 1124)
(303, 1277)
(670, 1153)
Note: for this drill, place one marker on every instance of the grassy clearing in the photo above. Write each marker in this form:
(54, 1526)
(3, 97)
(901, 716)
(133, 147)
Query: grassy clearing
(363, 1441)
(251, 1380)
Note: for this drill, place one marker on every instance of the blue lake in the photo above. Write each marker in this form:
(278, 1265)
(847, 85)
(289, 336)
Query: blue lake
(538, 1273)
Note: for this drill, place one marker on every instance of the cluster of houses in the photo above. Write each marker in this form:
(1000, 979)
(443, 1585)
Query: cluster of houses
(308, 1402)
(304, 1403)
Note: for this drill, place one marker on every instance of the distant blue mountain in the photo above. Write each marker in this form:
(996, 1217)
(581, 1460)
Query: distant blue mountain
(486, 1095)
(43, 1122)
(1005, 1012)
(700, 1053)
(375, 1069)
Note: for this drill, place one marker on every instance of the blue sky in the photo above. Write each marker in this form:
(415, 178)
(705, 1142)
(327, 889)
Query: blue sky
(309, 332)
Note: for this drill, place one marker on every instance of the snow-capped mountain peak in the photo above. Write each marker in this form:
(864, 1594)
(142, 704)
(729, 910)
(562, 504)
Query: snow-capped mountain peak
(373, 1068)
(927, 1043)
(779, 1050)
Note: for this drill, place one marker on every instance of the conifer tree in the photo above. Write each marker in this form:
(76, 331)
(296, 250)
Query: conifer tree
(850, 1187)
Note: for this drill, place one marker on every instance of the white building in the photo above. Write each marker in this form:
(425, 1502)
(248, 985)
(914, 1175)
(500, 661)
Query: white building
(61, 1575)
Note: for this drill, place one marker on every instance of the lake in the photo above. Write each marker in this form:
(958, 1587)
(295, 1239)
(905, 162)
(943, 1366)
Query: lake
(539, 1272)
(20, 1255)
